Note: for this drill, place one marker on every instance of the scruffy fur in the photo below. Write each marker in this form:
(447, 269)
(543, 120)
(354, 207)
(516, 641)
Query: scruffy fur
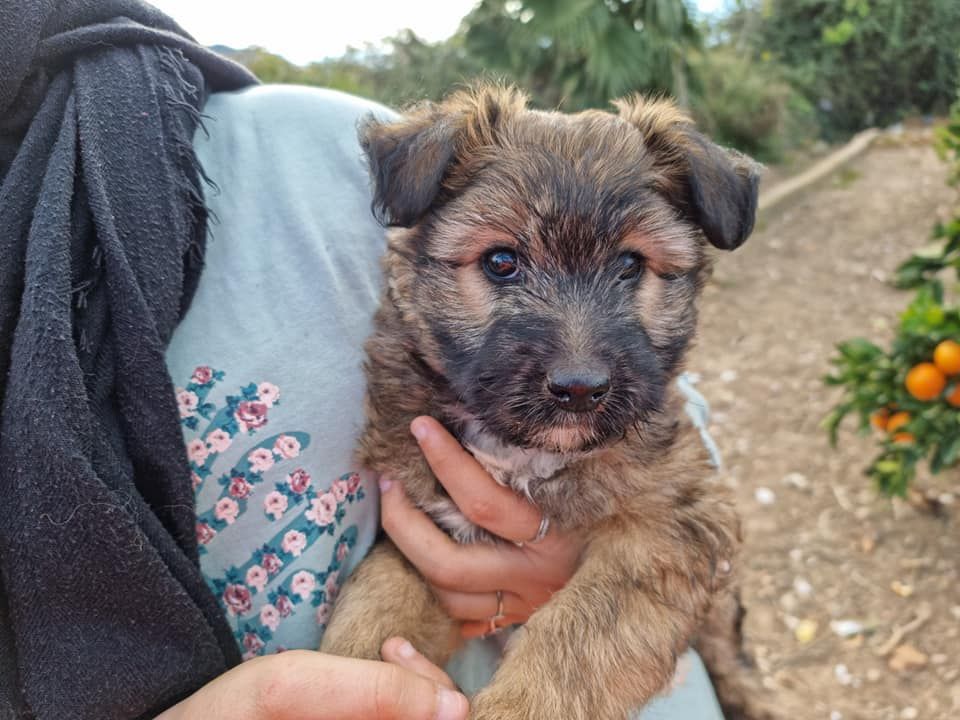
(570, 194)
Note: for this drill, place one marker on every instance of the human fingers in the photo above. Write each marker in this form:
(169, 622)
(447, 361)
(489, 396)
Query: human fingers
(400, 652)
(479, 497)
(482, 606)
(443, 562)
(304, 685)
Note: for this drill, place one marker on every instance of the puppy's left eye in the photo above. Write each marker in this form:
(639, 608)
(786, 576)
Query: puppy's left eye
(630, 266)
(501, 264)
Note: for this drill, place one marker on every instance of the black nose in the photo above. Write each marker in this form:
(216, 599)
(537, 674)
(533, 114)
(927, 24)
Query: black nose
(578, 390)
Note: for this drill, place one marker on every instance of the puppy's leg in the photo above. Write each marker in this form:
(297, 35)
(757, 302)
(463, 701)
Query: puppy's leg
(384, 597)
(720, 644)
(609, 641)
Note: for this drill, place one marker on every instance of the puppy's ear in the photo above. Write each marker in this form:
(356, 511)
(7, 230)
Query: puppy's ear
(715, 188)
(411, 159)
(408, 159)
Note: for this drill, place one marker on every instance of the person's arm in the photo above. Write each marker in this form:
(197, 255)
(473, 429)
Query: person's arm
(305, 685)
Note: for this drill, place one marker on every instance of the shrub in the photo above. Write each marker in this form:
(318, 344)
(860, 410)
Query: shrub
(911, 392)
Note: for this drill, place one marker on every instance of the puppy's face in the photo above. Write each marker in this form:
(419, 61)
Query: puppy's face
(552, 262)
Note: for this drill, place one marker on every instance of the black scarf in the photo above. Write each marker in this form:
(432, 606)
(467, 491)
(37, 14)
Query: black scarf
(102, 229)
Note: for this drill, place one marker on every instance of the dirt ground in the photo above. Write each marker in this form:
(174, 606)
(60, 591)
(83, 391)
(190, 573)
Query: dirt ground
(821, 546)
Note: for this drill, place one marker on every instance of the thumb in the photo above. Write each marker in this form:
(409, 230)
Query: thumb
(393, 693)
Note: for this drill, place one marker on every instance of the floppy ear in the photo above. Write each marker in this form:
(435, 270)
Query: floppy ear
(715, 188)
(408, 159)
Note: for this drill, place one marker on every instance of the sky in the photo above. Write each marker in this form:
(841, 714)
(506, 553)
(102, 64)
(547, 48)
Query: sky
(304, 31)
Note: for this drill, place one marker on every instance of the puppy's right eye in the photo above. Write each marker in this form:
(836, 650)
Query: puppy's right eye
(501, 264)
(630, 266)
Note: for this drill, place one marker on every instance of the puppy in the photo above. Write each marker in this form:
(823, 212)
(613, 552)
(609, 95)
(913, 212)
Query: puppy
(542, 278)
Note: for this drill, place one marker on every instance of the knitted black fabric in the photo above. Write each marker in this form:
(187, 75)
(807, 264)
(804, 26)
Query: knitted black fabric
(102, 229)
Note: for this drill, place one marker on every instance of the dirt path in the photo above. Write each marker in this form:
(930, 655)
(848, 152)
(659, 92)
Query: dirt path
(827, 548)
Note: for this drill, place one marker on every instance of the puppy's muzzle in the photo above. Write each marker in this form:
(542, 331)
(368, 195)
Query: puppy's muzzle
(578, 389)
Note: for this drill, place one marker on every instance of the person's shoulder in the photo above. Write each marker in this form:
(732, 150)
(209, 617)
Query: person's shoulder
(285, 106)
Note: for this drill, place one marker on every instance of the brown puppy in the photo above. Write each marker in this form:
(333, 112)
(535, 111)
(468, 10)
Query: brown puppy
(542, 280)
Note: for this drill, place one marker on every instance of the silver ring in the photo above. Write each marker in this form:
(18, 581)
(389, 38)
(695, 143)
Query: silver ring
(541, 532)
(497, 616)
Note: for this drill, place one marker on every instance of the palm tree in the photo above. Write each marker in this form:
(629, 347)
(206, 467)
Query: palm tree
(582, 53)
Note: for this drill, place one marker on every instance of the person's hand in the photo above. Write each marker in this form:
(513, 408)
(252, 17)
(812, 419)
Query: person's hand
(306, 685)
(466, 578)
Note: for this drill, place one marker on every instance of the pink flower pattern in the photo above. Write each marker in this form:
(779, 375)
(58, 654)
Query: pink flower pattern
(299, 481)
(271, 563)
(259, 595)
(294, 542)
(339, 490)
(197, 451)
(322, 509)
(227, 510)
(269, 393)
(219, 440)
(240, 488)
(303, 584)
(251, 415)
(202, 375)
(260, 460)
(287, 446)
(187, 403)
(257, 578)
(275, 504)
(270, 617)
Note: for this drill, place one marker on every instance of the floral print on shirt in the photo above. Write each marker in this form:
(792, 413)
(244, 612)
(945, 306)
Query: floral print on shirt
(298, 570)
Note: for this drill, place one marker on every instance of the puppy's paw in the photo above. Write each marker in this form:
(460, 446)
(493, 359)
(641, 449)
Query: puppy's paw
(348, 640)
(500, 701)
(487, 707)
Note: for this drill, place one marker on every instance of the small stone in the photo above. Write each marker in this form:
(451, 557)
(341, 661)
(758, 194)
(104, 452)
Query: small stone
(938, 659)
(846, 628)
(796, 555)
(901, 589)
(765, 496)
(868, 542)
(836, 715)
(796, 480)
(788, 602)
(874, 675)
(842, 674)
(801, 587)
(946, 498)
(909, 713)
(728, 376)
(907, 657)
(955, 611)
(805, 631)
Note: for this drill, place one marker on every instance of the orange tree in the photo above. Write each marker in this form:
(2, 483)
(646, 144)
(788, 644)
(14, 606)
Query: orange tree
(910, 392)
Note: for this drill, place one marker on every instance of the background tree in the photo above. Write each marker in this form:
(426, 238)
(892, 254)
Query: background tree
(575, 54)
(862, 62)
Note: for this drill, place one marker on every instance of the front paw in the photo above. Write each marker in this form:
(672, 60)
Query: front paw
(487, 706)
(347, 636)
(514, 701)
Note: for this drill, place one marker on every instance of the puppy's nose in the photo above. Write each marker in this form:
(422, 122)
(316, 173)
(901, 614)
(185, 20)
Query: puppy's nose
(578, 390)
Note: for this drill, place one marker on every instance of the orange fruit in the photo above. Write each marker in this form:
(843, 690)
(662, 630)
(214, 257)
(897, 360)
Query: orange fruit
(903, 437)
(946, 357)
(954, 397)
(880, 418)
(897, 421)
(925, 381)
